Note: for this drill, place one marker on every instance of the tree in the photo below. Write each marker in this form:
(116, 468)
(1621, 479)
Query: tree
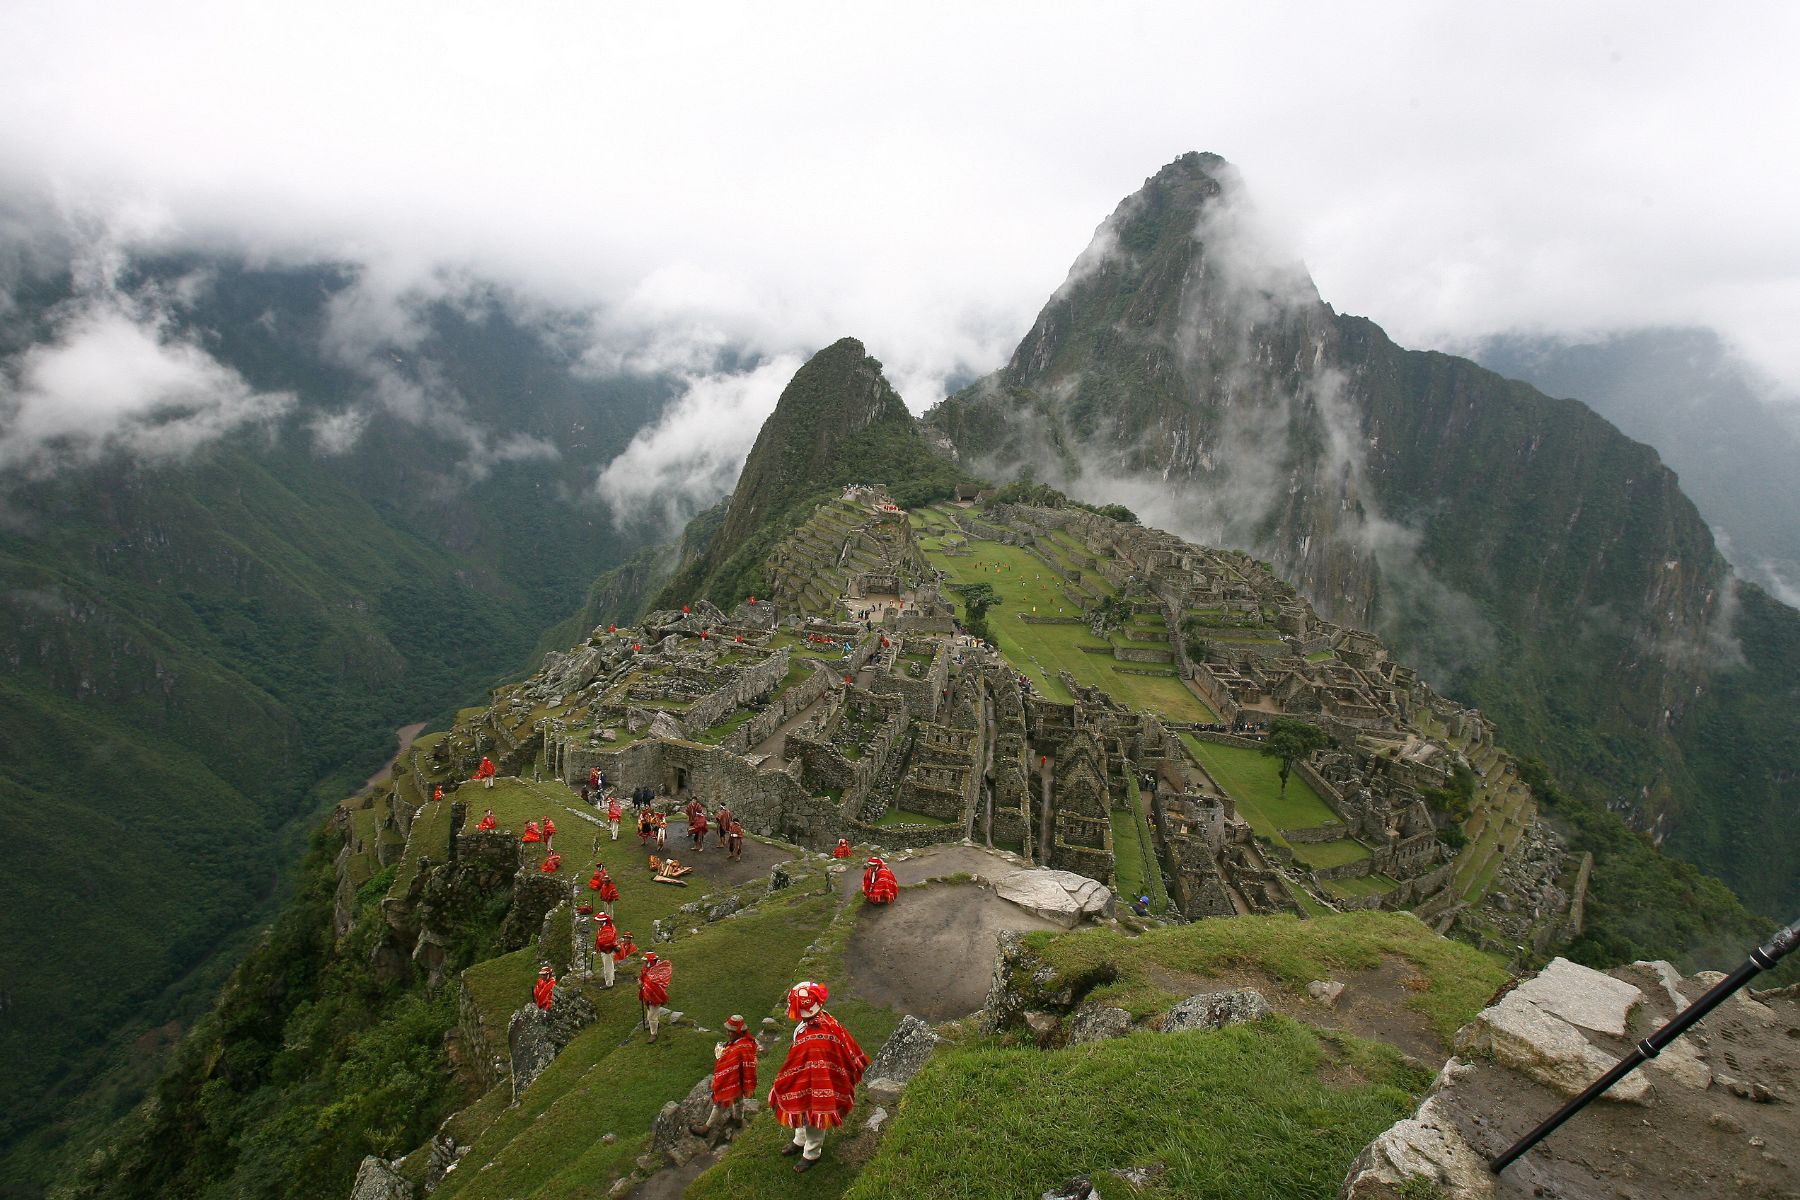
(1290, 739)
(977, 599)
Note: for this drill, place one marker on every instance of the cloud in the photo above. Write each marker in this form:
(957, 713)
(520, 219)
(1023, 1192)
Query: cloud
(692, 455)
(115, 375)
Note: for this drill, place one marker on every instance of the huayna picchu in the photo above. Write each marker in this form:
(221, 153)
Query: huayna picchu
(1133, 869)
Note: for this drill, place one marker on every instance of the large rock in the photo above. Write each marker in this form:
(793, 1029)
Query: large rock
(905, 1051)
(662, 725)
(534, 895)
(1582, 996)
(1426, 1145)
(669, 1134)
(375, 1180)
(1060, 896)
(1544, 1047)
(535, 1037)
(1098, 1024)
(1215, 1010)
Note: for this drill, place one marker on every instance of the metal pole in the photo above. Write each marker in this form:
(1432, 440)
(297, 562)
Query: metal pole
(1761, 959)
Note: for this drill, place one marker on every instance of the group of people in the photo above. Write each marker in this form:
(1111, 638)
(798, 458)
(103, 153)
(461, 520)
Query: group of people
(814, 1090)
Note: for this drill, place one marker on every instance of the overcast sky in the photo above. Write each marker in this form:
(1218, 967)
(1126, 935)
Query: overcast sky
(921, 176)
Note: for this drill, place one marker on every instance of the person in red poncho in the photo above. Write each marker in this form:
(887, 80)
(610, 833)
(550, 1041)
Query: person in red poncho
(733, 1077)
(734, 842)
(549, 831)
(531, 833)
(722, 820)
(653, 989)
(437, 793)
(614, 810)
(879, 884)
(627, 947)
(487, 821)
(486, 771)
(603, 883)
(816, 1086)
(606, 945)
(697, 827)
(543, 993)
(552, 863)
(842, 849)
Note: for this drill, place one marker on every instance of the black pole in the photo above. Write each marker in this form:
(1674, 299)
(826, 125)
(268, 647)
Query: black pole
(1761, 959)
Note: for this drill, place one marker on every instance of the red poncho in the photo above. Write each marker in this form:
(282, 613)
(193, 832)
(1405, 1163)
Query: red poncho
(626, 949)
(542, 993)
(609, 891)
(653, 982)
(879, 885)
(606, 938)
(817, 1084)
(723, 818)
(552, 864)
(841, 850)
(485, 823)
(613, 809)
(486, 770)
(734, 1072)
(697, 822)
(549, 827)
(531, 833)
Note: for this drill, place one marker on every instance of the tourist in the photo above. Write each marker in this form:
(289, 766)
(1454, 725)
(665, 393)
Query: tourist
(486, 772)
(653, 989)
(733, 1077)
(842, 849)
(531, 833)
(552, 863)
(487, 821)
(543, 993)
(879, 885)
(613, 812)
(816, 1087)
(734, 842)
(606, 945)
(1141, 906)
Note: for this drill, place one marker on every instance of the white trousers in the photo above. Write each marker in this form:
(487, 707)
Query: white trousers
(606, 967)
(614, 826)
(653, 1015)
(811, 1140)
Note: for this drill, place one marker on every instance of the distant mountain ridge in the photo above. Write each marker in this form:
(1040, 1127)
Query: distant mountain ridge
(1683, 392)
(1532, 560)
(195, 645)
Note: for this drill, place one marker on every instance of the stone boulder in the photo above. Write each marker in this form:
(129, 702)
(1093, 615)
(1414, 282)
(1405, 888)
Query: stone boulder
(1426, 1145)
(535, 1037)
(1545, 1047)
(1098, 1024)
(669, 1136)
(1582, 996)
(1060, 896)
(1216, 1010)
(662, 725)
(375, 1180)
(901, 1056)
(534, 895)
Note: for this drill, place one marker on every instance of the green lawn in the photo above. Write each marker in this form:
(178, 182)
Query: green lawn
(1254, 781)
(1134, 853)
(1265, 1110)
(899, 816)
(1367, 885)
(1042, 651)
(1329, 854)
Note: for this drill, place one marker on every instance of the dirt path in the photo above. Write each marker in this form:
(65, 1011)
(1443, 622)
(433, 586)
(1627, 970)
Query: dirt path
(931, 952)
(405, 734)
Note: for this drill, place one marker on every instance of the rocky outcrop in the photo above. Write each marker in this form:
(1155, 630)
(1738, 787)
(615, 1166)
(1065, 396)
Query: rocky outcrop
(533, 898)
(1694, 1126)
(1097, 1024)
(900, 1058)
(1060, 896)
(1215, 1010)
(535, 1036)
(376, 1180)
